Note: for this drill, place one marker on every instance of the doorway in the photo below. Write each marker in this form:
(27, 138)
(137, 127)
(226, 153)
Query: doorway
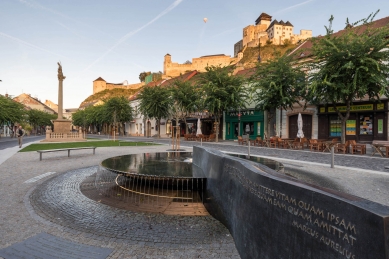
(307, 125)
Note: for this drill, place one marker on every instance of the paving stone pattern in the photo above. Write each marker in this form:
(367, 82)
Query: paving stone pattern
(45, 246)
(55, 205)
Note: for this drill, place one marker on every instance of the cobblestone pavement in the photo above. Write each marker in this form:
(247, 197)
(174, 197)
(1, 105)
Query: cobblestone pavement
(31, 205)
(44, 196)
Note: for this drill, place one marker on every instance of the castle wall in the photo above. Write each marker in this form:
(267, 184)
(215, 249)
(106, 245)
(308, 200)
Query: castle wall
(172, 69)
(99, 86)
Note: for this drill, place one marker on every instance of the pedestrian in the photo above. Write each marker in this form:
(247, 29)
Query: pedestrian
(20, 133)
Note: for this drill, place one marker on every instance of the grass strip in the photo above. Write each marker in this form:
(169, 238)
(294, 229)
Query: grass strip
(106, 143)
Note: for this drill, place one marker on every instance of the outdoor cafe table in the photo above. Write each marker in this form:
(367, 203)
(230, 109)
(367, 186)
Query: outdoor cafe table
(377, 149)
(266, 143)
(328, 145)
(288, 142)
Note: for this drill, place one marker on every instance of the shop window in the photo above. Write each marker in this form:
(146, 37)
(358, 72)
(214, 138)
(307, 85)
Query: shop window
(335, 126)
(228, 128)
(248, 128)
(366, 124)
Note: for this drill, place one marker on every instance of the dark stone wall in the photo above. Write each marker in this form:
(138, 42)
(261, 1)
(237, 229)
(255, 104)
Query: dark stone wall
(274, 216)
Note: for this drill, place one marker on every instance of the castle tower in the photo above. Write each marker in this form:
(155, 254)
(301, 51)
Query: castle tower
(99, 85)
(264, 18)
(166, 63)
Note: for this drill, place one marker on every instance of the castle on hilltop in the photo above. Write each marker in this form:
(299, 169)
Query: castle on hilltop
(172, 69)
(100, 85)
(265, 30)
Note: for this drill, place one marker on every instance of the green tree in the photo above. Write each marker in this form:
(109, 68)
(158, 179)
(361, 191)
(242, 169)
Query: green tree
(277, 84)
(222, 91)
(349, 65)
(117, 110)
(184, 97)
(11, 112)
(38, 119)
(79, 118)
(155, 102)
(143, 75)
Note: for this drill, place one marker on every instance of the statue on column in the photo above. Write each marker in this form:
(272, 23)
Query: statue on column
(60, 75)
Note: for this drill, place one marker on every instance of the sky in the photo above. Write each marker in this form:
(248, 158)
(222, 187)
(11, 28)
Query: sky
(119, 39)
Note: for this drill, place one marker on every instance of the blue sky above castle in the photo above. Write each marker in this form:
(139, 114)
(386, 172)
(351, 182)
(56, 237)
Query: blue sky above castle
(119, 39)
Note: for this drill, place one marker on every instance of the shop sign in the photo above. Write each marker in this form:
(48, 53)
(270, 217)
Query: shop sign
(322, 109)
(351, 127)
(242, 113)
(380, 106)
(353, 108)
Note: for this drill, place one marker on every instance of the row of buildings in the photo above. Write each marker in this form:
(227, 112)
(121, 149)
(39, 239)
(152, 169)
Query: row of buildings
(368, 120)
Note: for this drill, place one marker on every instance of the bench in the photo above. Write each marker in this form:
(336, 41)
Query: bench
(377, 145)
(63, 149)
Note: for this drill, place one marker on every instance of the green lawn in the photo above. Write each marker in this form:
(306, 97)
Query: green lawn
(105, 143)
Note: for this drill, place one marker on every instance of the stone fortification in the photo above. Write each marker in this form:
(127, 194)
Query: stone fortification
(265, 30)
(173, 69)
(100, 85)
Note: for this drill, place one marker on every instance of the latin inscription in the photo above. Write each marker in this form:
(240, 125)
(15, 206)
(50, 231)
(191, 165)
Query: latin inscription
(326, 227)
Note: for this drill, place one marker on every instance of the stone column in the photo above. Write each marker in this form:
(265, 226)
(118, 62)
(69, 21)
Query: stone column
(61, 77)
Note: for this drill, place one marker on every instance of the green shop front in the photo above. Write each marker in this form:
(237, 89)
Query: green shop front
(243, 122)
(367, 122)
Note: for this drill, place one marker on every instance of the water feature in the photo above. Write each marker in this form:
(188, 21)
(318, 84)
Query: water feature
(153, 182)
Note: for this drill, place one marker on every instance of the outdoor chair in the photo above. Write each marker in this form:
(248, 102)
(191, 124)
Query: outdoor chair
(315, 145)
(355, 148)
(281, 143)
(257, 141)
(298, 143)
(274, 142)
(212, 137)
(200, 137)
(342, 148)
(241, 141)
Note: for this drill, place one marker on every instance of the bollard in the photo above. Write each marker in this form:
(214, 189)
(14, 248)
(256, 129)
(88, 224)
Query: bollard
(201, 141)
(332, 157)
(248, 143)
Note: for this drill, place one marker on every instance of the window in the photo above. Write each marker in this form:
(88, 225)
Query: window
(248, 128)
(335, 126)
(366, 124)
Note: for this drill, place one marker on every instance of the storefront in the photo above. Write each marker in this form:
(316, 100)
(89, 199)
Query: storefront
(367, 122)
(245, 122)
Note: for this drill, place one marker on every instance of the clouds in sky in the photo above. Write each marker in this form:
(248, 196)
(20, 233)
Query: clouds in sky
(29, 44)
(130, 34)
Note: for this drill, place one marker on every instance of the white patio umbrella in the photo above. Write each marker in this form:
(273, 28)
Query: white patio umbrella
(300, 133)
(198, 132)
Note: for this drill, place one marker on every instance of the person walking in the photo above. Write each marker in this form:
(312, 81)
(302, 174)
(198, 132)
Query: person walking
(20, 133)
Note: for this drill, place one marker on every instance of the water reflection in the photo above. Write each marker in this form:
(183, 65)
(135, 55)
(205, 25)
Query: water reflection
(170, 164)
(272, 164)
